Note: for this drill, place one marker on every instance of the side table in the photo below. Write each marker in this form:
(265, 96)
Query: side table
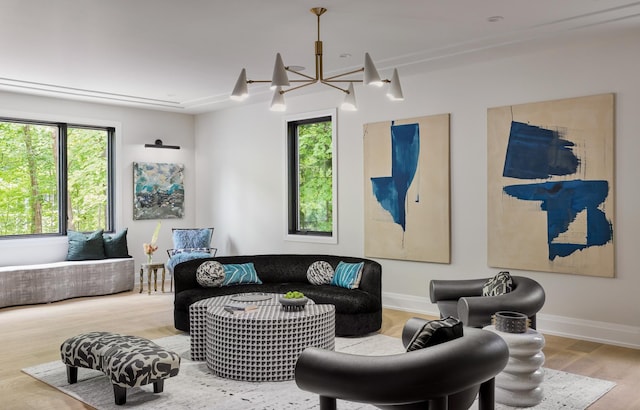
(518, 385)
(152, 268)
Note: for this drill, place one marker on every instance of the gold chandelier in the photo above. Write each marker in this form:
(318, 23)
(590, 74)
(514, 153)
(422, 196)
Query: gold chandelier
(280, 79)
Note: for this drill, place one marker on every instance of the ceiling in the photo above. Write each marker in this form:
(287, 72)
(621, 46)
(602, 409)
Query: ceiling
(185, 55)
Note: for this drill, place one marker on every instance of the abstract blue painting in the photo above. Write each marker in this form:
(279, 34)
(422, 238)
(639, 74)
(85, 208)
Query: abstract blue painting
(391, 191)
(407, 189)
(554, 190)
(562, 201)
(536, 152)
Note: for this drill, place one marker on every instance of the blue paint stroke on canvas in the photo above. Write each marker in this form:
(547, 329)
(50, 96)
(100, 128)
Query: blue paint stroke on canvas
(391, 191)
(535, 152)
(563, 200)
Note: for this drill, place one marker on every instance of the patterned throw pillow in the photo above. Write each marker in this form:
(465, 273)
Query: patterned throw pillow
(320, 273)
(210, 274)
(435, 332)
(348, 275)
(236, 274)
(498, 285)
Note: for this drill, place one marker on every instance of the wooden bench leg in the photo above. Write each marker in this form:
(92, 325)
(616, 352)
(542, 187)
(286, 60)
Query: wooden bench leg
(72, 374)
(158, 386)
(120, 394)
(155, 279)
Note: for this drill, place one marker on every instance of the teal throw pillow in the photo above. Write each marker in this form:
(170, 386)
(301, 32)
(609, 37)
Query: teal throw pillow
(115, 245)
(192, 238)
(85, 246)
(347, 275)
(237, 274)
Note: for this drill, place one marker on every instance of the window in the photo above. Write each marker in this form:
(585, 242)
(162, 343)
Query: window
(54, 177)
(311, 176)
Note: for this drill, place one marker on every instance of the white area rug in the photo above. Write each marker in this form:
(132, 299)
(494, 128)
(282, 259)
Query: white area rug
(197, 388)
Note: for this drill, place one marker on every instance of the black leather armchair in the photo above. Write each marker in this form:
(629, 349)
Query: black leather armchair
(463, 300)
(441, 377)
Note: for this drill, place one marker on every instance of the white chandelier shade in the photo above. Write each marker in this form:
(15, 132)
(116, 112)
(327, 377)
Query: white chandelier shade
(349, 103)
(279, 77)
(241, 91)
(371, 76)
(395, 89)
(277, 102)
(281, 83)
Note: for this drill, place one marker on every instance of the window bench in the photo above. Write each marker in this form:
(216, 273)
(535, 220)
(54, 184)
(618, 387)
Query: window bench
(51, 282)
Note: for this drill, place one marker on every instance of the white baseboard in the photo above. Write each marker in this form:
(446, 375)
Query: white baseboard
(594, 331)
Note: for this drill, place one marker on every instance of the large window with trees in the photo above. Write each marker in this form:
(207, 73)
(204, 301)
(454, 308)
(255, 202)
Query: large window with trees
(311, 175)
(54, 177)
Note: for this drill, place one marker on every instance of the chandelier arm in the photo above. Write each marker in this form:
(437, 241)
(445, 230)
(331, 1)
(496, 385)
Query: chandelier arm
(341, 81)
(298, 87)
(300, 74)
(343, 74)
(291, 81)
(334, 86)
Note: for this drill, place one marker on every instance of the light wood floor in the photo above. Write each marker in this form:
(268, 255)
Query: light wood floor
(31, 335)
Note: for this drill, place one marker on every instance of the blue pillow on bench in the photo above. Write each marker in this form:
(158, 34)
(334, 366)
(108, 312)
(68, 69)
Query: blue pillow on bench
(115, 245)
(85, 246)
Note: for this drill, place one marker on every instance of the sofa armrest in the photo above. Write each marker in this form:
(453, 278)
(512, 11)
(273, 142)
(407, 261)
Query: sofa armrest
(455, 289)
(371, 281)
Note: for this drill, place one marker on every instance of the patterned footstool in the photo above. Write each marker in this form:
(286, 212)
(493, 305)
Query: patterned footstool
(128, 361)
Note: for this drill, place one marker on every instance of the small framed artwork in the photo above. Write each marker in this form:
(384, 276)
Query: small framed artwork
(158, 191)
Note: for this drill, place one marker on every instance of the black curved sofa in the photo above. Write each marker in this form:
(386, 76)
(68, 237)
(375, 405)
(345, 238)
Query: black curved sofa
(358, 311)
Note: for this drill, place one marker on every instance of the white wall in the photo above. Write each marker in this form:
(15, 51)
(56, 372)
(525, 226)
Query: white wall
(134, 128)
(241, 187)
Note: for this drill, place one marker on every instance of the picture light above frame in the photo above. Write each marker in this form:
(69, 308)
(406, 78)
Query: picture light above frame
(158, 144)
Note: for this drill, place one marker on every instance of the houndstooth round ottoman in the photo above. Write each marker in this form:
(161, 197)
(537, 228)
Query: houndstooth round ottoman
(128, 361)
(264, 345)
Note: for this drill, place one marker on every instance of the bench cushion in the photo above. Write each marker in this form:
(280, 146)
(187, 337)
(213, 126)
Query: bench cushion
(51, 282)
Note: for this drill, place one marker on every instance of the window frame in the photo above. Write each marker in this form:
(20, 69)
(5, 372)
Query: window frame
(290, 172)
(63, 177)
